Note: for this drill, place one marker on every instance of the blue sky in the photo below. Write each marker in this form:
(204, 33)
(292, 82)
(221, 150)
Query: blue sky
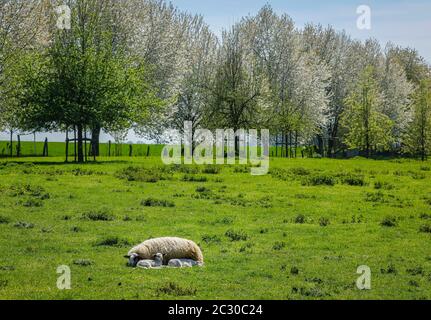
(407, 23)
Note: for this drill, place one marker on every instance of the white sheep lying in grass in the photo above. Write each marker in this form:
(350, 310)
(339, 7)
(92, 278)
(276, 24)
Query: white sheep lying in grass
(149, 264)
(184, 263)
(171, 248)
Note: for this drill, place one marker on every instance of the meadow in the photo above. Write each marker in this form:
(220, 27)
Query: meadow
(299, 232)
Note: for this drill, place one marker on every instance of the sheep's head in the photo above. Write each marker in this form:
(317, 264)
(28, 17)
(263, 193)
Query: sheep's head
(133, 260)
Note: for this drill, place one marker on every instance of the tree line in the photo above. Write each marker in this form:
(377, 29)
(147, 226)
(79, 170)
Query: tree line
(143, 65)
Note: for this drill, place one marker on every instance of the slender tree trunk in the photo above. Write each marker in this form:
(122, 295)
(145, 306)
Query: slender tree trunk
(85, 144)
(11, 143)
(74, 141)
(67, 145)
(34, 144)
(18, 147)
(95, 137)
(80, 145)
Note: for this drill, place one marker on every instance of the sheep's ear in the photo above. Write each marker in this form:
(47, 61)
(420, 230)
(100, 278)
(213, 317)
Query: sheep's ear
(127, 256)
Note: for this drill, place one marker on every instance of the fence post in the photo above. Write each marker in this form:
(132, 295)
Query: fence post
(130, 150)
(109, 148)
(148, 151)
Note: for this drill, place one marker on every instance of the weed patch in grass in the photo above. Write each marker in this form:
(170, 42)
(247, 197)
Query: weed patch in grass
(426, 228)
(83, 262)
(319, 180)
(140, 174)
(23, 225)
(191, 178)
(100, 215)
(211, 239)
(152, 202)
(113, 242)
(4, 220)
(173, 289)
(212, 169)
(324, 222)
(236, 235)
(300, 219)
(389, 222)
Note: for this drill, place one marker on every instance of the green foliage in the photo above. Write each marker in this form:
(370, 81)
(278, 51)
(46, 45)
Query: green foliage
(367, 128)
(417, 139)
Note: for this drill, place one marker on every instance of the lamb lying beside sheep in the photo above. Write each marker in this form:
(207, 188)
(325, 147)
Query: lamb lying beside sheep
(183, 263)
(150, 264)
(186, 251)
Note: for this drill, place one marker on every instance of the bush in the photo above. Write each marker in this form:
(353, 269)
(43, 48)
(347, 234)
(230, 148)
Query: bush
(152, 202)
(319, 180)
(389, 222)
(236, 235)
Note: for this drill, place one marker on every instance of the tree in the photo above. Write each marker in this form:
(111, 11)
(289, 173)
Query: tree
(396, 93)
(417, 140)
(85, 79)
(368, 129)
(199, 68)
(238, 85)
(297, 81)
(22, 25)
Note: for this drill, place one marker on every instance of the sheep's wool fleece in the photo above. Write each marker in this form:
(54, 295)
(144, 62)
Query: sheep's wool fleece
(170, 247)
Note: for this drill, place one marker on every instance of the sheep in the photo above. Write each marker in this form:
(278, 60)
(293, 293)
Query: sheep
(183, 263)
(149, 264)
(170, 247)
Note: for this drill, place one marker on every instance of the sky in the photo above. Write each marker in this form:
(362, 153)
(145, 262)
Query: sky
(403, 22)
(407, 23)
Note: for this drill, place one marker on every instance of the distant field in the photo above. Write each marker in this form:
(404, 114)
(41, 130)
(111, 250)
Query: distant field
(298, 233)
(58, 149)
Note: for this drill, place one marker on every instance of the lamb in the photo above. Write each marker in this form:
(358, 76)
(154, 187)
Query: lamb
(149, 264)
(170, 247)
(183, 263)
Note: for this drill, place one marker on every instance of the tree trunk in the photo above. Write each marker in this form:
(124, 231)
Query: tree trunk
(11, 143)
(18, 147)
(80, 145)
(95, 137)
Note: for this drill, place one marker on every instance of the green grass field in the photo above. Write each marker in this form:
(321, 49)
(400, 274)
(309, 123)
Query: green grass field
(300, 232)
